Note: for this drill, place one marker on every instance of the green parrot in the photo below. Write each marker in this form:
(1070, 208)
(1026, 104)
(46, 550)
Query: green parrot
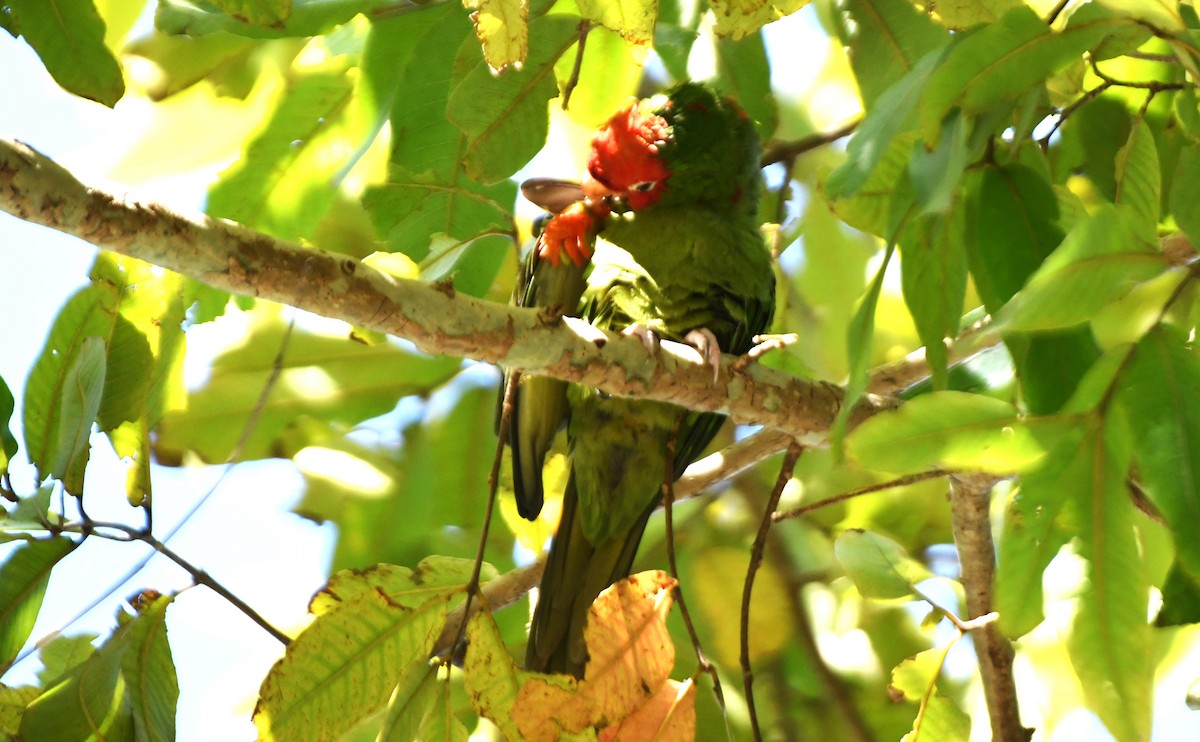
(669, 203)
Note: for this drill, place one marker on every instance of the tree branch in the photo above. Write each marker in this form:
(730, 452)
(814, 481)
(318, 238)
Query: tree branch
(969, 503)
(433, 317)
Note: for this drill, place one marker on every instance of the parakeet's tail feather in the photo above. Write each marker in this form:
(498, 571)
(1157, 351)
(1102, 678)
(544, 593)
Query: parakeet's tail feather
(576, 572)
(527, 465)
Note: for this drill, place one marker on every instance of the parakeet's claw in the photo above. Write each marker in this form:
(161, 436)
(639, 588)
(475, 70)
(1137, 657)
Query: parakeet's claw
(569, 231)
(648, 337)
(704, 341)
(763, 344)
(551, 315)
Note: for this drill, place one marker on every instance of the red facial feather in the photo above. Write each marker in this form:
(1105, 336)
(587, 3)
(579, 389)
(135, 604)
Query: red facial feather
(626, 152)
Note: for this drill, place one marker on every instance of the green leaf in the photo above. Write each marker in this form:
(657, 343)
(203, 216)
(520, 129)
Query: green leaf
(88, 702)
(966, 13)
(885, 42)
(1162, 14)
(308, 18)
(8, 442)
(936, 174)
(82, 388)
(1000, 61)
(1012, 224)
(1187, 112)
(933, 272)
(492, 679)
(1032, 536)
(1111, 646)
(62, 654)
(427, 192)
(1185, 192)
(1158, 393)
(1181, 599)
(322, 376)
(14, 700)
(412, 702)
(435, 578)
(281, 184)
(892, 114)
(23, 578)
(149, 671)
(1139, 184)
(343, 666)
(939, 718)
(878, 566)
(869, 209)
(1100, 261)
(257, 12)
(738, 18)
(122, 362)
(68, 35)
(860, 338)
(504, 117)
(390, 46)
(744, 72)
(952, 430)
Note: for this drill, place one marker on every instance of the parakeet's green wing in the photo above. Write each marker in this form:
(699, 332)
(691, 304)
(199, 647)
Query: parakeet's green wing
(539, 404)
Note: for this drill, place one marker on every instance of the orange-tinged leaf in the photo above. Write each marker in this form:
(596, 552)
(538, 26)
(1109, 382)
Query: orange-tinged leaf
(630, 652)
(668, 715)
(631, 656)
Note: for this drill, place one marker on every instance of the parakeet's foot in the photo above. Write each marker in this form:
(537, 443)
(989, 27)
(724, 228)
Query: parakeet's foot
(704, 341)
(648, 337)
(764, 344)
(569, 231)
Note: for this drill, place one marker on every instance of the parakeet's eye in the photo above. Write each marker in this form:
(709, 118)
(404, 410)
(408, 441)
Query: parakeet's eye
(642, 187)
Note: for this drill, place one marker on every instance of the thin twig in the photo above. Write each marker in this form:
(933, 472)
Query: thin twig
(783, 151)
(573, 80)
(199, 576)
(868, 489)
(234, 453)
(497, 593)
(756, 557)
(668, 489)
(472, 586)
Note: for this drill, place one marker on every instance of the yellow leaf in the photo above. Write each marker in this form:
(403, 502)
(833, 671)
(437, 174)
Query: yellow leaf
(503, 29)
(633, 19)
(738, 18)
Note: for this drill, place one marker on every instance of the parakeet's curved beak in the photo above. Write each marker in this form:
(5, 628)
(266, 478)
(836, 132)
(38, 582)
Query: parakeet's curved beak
(599, 194)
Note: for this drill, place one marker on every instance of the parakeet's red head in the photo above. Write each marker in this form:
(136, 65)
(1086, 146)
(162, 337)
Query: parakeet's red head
(626, 160)
(687, 146)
